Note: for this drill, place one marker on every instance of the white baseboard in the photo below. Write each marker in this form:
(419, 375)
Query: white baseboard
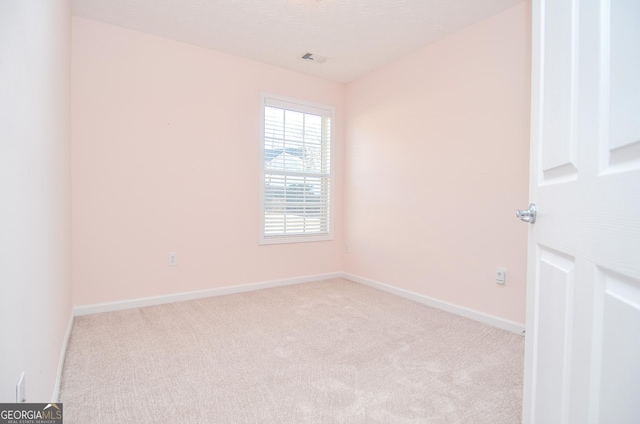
(180, 297)
(512, 326)
(63, 353)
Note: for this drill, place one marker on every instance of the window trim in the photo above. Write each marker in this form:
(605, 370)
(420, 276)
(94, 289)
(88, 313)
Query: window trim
(306, 107)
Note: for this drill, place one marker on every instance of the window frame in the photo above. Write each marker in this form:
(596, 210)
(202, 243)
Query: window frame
(298, 105)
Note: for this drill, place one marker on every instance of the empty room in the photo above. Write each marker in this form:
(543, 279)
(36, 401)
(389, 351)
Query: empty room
(320, 211)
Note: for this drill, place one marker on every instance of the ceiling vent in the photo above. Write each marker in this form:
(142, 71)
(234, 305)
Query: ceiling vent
(313, 57)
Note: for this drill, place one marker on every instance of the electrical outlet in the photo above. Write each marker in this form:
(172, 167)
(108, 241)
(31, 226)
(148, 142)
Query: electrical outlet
(501, 275)
(20, 390)
(173, 259)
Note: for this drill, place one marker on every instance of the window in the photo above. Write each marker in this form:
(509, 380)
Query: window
(296, 171)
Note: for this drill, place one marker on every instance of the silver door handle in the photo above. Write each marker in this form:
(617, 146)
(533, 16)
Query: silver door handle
(528, 215)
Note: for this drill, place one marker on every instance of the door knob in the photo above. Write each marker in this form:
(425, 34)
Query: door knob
(528, 215)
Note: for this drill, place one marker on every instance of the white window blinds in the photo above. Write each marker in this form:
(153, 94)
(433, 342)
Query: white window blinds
(296, 153)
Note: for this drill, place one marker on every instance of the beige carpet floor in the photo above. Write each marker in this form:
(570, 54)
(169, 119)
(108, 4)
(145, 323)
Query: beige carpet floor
(325, 352)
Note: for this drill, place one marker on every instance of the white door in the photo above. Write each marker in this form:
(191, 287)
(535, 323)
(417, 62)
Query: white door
(583, 297)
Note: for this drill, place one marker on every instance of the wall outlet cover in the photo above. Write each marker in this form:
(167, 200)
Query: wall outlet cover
(501, 275)
(21, 390)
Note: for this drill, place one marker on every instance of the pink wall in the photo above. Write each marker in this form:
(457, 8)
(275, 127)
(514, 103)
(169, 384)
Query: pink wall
(165, 141)
(35, 205)
(437, 161)
(165, 157)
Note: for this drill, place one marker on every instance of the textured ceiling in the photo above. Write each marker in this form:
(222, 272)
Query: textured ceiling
(356, 36)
